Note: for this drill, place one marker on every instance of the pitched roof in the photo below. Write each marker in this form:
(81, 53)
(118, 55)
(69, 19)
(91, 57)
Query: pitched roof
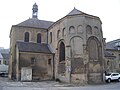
(4, 51)
(109, 54)
(113, 45)
(75, 11)
(35, 23)
(1, 57)
(33, 47)
(5, 56)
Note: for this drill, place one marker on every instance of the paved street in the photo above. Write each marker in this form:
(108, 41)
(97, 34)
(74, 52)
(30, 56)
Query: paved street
(6, 84)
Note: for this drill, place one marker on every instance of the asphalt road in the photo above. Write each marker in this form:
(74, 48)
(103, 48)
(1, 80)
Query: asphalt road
(6, 84)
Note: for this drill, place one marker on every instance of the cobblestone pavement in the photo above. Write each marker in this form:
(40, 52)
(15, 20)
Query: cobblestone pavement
(6, 84)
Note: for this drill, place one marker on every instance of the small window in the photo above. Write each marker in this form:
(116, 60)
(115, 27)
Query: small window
(89, 29)
(108, 62)
(119, 56)
(49, 61)
(114, 74)
(50, 37)
(26, 38)
(32, 61)
(71, 29)
(5, 62)
(96, 31)
(63, 32)
(58, 34)
(39, 38)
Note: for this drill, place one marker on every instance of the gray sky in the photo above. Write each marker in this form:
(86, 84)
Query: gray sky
(16, 11)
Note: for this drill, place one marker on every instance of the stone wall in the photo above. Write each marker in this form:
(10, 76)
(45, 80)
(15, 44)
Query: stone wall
(42, 68)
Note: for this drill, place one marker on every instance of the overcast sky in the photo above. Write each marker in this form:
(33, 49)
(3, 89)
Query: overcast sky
(13, 12)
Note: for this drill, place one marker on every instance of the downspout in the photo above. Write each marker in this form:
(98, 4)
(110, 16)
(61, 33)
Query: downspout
(53, 67)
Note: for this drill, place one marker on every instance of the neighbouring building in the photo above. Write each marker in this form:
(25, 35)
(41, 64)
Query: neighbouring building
(113, 63)
(1, 59)
(70, 49)
(4, 56)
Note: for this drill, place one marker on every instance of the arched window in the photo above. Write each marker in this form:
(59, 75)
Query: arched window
(62, 52)
(89, 29)
(50, 37)
(39, 38)
(93, 50)
(76, 45)
(63, 32)
(26, 38)
(72, 30)
(96, 31)
(80, 29)
(58, 33)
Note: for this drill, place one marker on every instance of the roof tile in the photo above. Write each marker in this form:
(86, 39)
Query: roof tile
(36, 23)
(33, 47)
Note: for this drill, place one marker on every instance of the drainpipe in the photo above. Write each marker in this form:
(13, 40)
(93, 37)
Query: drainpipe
(47, 36)
(53, 66)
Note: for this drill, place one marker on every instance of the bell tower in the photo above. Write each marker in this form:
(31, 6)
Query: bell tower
(35, 11)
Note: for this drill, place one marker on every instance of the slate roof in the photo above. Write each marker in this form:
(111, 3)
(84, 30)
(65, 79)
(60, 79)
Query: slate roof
(33, 47)
(109, 54)
(113, 45)
(4, 51)
(35, 23)
(1, 57)
(75, 11)
(5, 56)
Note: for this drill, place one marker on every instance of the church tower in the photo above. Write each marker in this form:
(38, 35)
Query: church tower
(35, 11)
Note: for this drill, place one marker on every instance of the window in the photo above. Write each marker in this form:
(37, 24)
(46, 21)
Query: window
(49, 61)
(26, 38)
(80, 29)
(72, 30)
(115, 74)
(32, 61)
(108, 62)
(50, 37)
(58, 33)
(63, 32)
(39, 38)
(93, 49)
(5, 62)
(89, 29)
(62, 52)
(119, 56)
(96, 31)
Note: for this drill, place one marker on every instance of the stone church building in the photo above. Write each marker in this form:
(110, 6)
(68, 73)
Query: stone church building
(70, 49)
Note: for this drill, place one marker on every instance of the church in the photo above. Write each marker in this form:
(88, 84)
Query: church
(70, 50)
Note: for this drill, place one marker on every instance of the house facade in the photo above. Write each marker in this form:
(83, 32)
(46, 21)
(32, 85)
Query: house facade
(113, 47)
(70, 49)
(4, 56)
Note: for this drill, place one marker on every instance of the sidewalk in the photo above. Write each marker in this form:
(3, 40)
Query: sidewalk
(11, 83)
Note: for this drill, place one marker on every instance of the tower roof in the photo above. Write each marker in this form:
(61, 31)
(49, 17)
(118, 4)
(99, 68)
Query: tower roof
(35, 6)
(34, 11)
(75, 11)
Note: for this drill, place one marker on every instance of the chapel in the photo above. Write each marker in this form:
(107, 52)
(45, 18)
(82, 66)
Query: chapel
(70, 50)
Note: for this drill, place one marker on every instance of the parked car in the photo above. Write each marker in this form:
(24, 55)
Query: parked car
(3, 70)
(112, 77)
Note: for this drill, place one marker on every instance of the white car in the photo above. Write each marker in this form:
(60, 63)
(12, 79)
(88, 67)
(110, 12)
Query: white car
(112, 76)
(3, 70)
